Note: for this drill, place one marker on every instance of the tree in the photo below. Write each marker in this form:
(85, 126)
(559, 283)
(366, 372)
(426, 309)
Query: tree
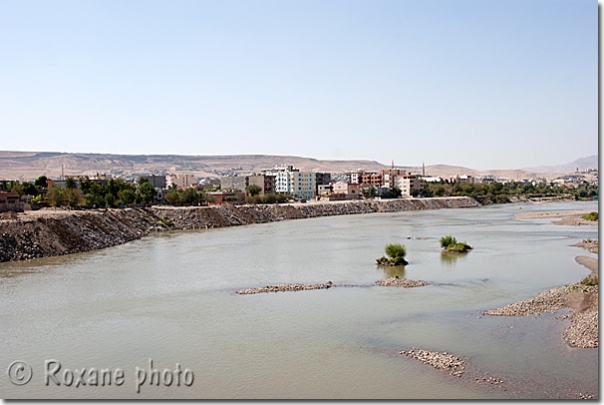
(126, 196)
(17, 188)
(253, 189)
(173, 197)
(85, 184)
(54, 196)
(29, 188)
(70, 183)
(41, 182)
(94, 196)
(72, 197)
(190, 196)
(368, 192)
(146, 190)
(109, 200)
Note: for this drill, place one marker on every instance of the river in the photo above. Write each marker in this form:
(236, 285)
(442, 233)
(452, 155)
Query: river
(170, 298)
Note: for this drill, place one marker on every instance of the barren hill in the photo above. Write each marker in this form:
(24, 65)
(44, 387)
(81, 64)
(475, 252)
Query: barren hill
(29, 165)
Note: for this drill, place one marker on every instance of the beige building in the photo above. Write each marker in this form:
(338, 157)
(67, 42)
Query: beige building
(181, 180)
(346, 191)
(408, 182)
(265, 182)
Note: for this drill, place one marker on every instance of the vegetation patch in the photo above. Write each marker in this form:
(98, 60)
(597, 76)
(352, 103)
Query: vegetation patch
(450, 244)
(396, 255)
(592, 216)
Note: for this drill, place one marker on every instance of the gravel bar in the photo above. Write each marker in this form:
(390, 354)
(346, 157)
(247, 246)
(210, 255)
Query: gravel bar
(401, 282)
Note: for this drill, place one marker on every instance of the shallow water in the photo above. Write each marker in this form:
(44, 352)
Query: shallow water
(169, 298)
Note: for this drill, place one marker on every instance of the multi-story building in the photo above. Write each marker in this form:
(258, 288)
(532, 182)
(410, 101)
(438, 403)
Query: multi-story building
(346, 191)
(181, 180)
(156, 181)
(322, 179)
(304, 185)
(235, 183)
(387, 176)
(371, 178)
(265, 182)
(408, 182)
(288, 179)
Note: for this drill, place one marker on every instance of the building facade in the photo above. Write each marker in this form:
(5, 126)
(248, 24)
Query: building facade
(409, 182)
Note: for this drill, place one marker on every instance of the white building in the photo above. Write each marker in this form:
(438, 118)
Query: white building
(288, 179)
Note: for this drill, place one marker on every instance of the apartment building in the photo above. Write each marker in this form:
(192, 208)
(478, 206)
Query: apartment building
(346, 191)
(265, 182)
(181, 180)
(288, 179)
(408, 182)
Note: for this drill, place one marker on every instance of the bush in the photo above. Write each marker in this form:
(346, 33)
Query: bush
(592, 216)
(396, 255)
(590, 280)
(395, 250)
(450, 244)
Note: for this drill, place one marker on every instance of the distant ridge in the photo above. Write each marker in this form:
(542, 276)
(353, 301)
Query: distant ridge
(29, 165)
(589, 162)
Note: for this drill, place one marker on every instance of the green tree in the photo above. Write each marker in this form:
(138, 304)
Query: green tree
(253, 189)
(41, 182)
(109, 200)
(126, 196)
(146, 190)
(94, 196)
(54, 196)
(72, 197)
(28, 188)
(173, 197)
(190, 196)
(70, 183)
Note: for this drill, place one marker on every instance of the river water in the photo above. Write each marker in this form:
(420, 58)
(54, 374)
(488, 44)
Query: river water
(170, 298)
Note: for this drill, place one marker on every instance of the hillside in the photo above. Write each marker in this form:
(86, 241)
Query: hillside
(589, 162)
(29, 165)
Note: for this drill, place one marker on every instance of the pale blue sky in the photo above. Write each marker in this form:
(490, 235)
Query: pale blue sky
(485, 84)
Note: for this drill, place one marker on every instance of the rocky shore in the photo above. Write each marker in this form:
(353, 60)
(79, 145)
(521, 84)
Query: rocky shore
(401, 282)
(583, 332)
(50, 232)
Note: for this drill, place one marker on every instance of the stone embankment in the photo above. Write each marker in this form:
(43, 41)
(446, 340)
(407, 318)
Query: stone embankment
(50, 232)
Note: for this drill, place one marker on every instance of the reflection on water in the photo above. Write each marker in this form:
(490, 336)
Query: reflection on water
(171, 298)
(393, 271)
(450, 258)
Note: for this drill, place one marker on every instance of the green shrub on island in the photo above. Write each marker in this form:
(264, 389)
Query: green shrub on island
(592, 216)
(396, 255)
(590, 280)
(450, 244)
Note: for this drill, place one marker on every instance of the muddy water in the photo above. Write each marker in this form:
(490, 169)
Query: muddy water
(170, 298)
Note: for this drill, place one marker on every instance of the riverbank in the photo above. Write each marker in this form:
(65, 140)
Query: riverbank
(570, 217)
(581, 298)
(50, 232)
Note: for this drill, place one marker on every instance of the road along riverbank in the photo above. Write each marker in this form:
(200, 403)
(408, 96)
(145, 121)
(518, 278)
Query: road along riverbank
(51, 232)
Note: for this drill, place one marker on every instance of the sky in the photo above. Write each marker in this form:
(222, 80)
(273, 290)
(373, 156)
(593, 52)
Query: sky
(486, 84)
